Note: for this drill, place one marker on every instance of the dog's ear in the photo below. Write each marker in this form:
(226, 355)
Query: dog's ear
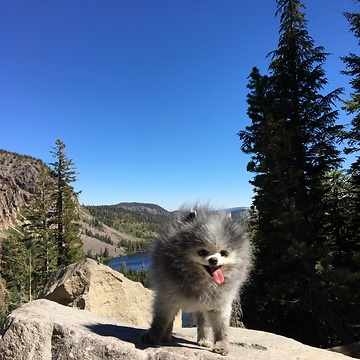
(191, 216)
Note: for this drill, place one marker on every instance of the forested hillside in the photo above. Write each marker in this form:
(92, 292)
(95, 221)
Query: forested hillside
(140, 220)
(42, 232)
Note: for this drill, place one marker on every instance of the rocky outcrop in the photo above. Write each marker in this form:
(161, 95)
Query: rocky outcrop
(45, 330)
(95, 287)
(18, 174)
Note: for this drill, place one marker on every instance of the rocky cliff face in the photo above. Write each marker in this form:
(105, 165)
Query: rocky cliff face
(18, 173)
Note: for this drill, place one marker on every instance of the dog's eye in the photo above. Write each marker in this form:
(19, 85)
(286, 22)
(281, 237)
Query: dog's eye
(203, 252)
(224, 253)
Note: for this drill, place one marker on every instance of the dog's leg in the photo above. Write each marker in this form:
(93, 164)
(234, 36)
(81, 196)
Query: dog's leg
(167, 335)
(202, 331)
(219, 321)
(162, 324)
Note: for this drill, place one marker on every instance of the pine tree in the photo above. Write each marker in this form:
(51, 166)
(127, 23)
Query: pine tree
(350, 278)
(352, 107)
(39, 229)
(123, 268)
(67, 226)
(144, 276)
(339, 266)
(16, 271)
(292, 140)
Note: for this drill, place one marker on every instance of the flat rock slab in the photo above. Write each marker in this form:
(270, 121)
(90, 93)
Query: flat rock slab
(45, 330)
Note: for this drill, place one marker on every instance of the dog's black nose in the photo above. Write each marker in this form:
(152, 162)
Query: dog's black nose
(213, 261)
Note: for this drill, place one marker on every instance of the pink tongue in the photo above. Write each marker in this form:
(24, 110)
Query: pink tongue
(217, 275)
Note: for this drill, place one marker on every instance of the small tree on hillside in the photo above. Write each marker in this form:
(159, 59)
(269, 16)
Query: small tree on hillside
(66, 217)
(16, 271)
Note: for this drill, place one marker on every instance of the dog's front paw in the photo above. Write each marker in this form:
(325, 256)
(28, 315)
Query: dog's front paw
(205, 343)
(149, 337)
(221, 347)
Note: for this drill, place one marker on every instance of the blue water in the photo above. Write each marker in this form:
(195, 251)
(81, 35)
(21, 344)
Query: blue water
(134, 261)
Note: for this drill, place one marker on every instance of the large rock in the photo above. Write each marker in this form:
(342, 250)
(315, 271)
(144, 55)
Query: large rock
(95, 287)
(45, 330)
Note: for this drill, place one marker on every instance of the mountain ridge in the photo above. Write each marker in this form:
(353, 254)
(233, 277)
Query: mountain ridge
(143, 206)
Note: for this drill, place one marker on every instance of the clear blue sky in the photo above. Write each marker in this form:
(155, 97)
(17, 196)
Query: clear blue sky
(148, 95)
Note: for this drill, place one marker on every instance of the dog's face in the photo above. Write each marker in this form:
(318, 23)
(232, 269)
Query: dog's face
(203, 245)
(214, 261)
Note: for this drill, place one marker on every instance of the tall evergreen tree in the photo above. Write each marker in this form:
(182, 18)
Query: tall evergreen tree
(40, 232)
(292, 140)
(352, 106)
(66, 217)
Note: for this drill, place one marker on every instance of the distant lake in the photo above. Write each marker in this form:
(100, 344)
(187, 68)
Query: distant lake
(134, 261)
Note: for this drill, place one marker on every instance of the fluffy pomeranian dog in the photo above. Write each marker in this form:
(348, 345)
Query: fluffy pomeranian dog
(198, 264)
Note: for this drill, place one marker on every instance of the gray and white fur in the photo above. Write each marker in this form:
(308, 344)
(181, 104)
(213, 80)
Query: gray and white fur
(198, 264)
